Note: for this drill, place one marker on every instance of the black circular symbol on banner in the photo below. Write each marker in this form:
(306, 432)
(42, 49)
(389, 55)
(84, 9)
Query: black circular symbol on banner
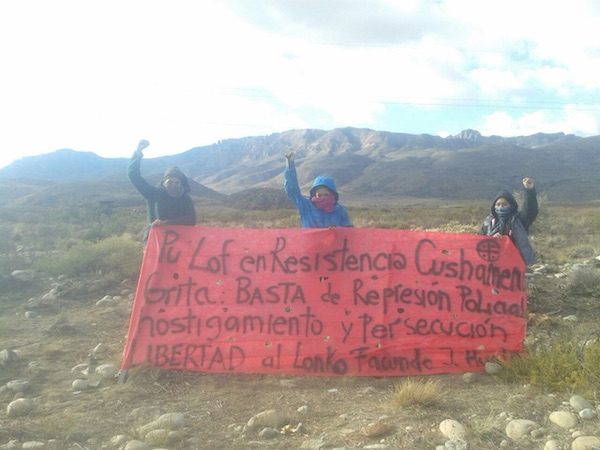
(489, 250)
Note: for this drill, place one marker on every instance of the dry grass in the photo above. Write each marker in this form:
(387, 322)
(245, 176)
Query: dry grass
(562, 365)
(412, 391)
(584, 279)
(569, 362)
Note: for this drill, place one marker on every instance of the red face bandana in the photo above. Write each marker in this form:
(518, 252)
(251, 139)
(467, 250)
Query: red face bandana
(326, 204)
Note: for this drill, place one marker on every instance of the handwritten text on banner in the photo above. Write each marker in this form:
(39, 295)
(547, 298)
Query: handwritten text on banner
(336, 301)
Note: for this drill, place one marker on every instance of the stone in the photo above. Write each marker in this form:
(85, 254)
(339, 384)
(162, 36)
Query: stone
(49, 297)
(157, 437)
(168, 421)
(452, 429)
(588, 414)
(136, 445)
(105, 302)
(7, 357)
(585, 443)
(19, 407)
(33, 444)
(492, 368)
(268, 433)
(18, 385)
(107, 371)
(552, 444)
(80, 384)
(171, 421)
(470, 377)
(23, 275)
(79, 368)
(563, 419)
(268, 418)
(578, 403)
(100, 348)
(13, 444)
(518, 428)
(118, 440)
(456, 444)
(287, 383)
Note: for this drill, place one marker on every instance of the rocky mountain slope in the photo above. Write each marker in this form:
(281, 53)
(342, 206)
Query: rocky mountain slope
(364, 162)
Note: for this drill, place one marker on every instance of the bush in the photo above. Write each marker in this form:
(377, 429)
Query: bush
(118, 255)
(417, 392)
(584, 279)
(561, 365)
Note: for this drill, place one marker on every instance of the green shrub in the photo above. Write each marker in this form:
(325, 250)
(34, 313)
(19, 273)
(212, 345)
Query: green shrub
(591, 219)
(561, 365)
(584, 279)
(118, 255)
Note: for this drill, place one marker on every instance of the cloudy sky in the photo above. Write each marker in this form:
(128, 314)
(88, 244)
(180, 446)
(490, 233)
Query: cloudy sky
(100, 75)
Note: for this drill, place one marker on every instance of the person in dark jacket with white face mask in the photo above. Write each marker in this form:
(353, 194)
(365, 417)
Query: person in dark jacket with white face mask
(506, 219)
(167, 204)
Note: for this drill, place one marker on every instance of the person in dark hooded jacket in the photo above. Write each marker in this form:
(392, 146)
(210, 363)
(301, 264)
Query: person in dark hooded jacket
(168, 204)
(506, 219)
(321, 209)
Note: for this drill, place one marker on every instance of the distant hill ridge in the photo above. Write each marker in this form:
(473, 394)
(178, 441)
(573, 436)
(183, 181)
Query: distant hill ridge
(365, 164)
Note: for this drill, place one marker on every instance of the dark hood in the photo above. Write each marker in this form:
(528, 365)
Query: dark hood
(511, 201)
(177, 173)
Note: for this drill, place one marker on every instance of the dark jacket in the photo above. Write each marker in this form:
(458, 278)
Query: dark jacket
(160, 205)
(517, 224)
(310, 215)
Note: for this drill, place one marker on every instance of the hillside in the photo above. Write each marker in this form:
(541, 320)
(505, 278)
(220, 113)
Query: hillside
(62, 335)
(365, 164)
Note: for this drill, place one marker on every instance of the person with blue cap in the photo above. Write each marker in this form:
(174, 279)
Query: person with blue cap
(505, 219)
(321, 209)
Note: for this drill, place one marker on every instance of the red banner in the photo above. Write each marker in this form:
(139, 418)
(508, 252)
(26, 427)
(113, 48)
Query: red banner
(334, 301)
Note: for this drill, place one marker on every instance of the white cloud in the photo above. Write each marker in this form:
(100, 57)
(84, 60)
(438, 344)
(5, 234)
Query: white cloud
(569, 121)
(99, 76)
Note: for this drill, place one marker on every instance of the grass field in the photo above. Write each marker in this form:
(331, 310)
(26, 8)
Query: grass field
(92, 251)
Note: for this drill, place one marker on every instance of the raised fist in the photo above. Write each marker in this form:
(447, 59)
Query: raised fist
(528, 182)
(142, 145)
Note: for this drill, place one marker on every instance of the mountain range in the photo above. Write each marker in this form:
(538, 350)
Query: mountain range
(366, 164)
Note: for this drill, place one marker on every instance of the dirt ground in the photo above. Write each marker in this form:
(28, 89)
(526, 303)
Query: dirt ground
(324, 412)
